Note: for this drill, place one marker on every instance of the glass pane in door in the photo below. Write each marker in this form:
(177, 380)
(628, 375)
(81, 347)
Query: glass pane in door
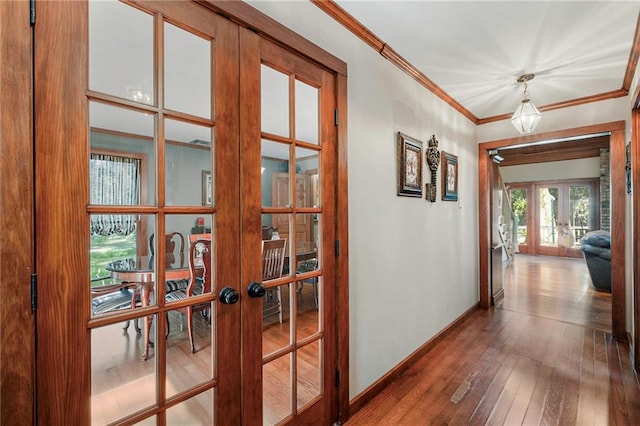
(274, 101)
(308, 372)
(120, 34)
(187, 68)
(123, 156)
(519, 208)
(121, 383)
(188, 158)
(580, 208)
(275, 175)
(195, 411)
(548, 214)
(277, 390)
(306, 112)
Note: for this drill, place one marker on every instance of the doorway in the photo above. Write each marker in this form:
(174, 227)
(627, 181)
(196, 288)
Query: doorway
(615, 130)
(176, 144)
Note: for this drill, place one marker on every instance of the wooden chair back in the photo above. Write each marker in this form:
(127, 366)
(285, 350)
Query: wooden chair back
(171, 240)
(200, 266)
(273, 254)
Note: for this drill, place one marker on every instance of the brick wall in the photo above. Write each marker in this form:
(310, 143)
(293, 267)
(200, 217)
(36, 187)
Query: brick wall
(605, 190)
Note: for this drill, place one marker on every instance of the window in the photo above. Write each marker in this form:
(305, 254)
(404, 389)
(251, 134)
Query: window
(115, 180)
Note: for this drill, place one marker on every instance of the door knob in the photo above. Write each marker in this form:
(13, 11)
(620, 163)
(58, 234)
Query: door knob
(255, 289)
(228, 296)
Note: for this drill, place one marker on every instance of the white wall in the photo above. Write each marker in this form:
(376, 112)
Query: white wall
(556, 170)
(413, 265)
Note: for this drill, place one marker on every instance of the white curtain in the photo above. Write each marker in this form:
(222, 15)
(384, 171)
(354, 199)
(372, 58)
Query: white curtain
(115, 181)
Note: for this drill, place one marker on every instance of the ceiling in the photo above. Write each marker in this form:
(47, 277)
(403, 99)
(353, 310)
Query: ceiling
(470, 53)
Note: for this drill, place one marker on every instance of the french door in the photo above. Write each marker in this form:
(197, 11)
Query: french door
(163, 118)
(292, 164)
(565, 212)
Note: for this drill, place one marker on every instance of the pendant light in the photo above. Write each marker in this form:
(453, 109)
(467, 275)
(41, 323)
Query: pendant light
(526, 117)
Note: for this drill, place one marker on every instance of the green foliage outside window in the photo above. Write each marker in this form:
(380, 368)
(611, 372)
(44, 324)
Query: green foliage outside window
(105, 249)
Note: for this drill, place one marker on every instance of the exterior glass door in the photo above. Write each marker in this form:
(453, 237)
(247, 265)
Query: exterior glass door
(566, 211)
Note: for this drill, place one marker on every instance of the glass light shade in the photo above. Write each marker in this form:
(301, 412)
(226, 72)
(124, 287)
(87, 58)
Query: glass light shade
(526, 117)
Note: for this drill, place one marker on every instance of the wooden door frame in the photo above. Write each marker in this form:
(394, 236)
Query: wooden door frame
(616, 130)
(17, 339)
(635, 200)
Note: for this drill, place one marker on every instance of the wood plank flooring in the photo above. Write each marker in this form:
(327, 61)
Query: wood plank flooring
(557, 288)
(544, 357)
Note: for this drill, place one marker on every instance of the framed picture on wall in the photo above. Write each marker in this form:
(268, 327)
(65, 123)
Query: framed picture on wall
(409, 166)
(449, 177)
(207, 188)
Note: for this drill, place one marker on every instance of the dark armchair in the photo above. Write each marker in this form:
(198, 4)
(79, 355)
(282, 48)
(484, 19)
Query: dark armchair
(596, 248)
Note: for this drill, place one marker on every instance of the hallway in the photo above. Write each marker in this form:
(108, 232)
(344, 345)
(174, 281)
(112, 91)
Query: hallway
(544, 357)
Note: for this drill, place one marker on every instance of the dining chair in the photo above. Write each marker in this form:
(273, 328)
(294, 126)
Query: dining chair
(273, 254)
(114, 297)
(174, 244)
(304, 267)
(200, 254)
(174, 285)
(173, 239)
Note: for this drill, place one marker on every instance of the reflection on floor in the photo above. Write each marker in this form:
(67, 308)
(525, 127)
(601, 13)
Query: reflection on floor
(555, 287)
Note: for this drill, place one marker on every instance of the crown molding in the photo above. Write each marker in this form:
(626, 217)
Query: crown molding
(349, 22)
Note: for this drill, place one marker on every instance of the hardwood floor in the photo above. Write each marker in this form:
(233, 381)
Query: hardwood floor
(557, 288)
(546, 356)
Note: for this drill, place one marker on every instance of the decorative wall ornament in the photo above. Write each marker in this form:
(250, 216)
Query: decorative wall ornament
(409, 166)
(433, 160)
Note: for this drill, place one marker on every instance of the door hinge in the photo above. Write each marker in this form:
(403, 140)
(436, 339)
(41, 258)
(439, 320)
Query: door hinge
(337, 247)
(34, 292)
(32, 12)
(335, 117)
(337, 378)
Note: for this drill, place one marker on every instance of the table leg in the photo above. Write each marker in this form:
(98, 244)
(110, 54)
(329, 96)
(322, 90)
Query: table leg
(145, 296)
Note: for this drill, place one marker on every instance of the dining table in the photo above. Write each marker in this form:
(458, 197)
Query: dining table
(141, 271)
(300, 257)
